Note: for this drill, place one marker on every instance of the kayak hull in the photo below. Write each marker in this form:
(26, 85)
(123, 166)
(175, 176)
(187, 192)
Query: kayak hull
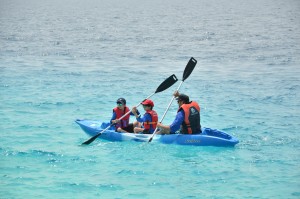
(208, 137)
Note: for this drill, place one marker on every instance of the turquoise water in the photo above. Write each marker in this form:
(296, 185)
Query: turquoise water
(64, 60)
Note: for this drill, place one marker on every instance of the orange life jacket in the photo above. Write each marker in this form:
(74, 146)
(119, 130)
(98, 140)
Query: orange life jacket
(191, 123)
(119, 113)
(148, 124)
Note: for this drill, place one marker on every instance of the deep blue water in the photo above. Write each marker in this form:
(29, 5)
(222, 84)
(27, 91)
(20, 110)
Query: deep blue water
(63, 60)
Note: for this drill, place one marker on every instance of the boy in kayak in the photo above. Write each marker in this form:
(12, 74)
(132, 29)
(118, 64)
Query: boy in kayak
(122, 125)
(187, 120)
(148, 122)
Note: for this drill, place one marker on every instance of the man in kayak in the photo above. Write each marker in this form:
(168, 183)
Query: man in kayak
(122, 125)
(148, 122)
(187, 120)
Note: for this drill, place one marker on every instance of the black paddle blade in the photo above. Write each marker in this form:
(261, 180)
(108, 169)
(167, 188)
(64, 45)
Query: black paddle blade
(150, 139)
(189, 68)
(167, 83)
(91, 139)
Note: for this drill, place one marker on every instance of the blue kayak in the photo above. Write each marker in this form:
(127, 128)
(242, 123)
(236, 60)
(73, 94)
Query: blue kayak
(208, 137)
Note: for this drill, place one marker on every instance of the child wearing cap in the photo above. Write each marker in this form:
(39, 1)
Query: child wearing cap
(121, 109)
(147, 123)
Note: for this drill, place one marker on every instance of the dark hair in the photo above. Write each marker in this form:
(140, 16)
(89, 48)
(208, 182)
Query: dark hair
(184, 98)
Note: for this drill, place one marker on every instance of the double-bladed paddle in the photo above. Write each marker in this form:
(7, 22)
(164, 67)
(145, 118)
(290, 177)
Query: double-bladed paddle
(186, 73)
(163, 86)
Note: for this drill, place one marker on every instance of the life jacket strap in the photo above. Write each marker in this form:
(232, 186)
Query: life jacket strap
(150, 122)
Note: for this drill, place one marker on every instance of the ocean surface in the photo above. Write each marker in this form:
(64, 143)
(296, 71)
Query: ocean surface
(62, 60)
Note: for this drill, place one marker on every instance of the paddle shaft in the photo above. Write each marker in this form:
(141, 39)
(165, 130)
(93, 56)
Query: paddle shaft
(186, 73)
(161, 120)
